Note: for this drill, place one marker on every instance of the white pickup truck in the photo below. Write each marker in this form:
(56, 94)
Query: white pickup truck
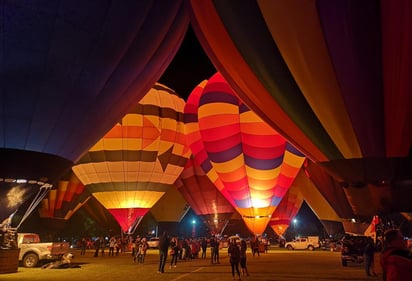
(32, 250)
(309, 243)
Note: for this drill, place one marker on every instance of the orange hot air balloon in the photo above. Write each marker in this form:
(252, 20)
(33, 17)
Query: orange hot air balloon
(249, 162)
(204, 198)
(63, 201)
(139, 159)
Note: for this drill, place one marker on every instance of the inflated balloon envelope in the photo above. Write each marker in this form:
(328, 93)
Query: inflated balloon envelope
(249, 162)
(204, 198)
(68, 75)
(139, 159)
(333, 77)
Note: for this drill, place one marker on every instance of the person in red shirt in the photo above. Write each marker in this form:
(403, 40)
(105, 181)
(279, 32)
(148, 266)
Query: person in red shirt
(396, 259)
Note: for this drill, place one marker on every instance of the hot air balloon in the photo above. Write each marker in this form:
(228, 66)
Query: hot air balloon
(139, 159)
(204, 198)
(170, 210)
(70, 72)
(249, 162)
(95, 211)
(286, 210)
(63, 201)
(332, 78)
(320, 205)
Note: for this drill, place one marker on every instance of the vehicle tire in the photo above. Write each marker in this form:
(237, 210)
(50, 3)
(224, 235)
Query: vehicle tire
(30, 260)
(289, 247)
(344, 263)
(311, 248)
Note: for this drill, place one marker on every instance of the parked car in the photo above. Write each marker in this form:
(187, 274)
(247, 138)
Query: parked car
(310, 243)
(153, 243)
(352, 248)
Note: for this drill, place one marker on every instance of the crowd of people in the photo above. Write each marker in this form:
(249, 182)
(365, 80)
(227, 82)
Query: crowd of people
(396, 257)
(178, 249)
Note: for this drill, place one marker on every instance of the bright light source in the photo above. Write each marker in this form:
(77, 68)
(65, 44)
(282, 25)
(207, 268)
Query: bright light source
(193, 221)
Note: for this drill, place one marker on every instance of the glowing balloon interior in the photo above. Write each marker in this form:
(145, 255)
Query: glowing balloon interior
(139, 159)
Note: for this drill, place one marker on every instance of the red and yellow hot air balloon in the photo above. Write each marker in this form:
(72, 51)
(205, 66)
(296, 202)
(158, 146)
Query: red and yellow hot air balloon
(286, 210)
(139, 159)
(248, 161)
(204, 198)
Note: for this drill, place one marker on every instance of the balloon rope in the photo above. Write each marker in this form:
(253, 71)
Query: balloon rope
(44, 189)
(135, 225)
(224, 227)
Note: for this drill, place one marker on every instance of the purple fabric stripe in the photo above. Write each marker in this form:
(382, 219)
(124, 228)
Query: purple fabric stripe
(294, 150)
(352, 33)
(261, 164)
(244, 203)
(217, 97)
(275, 201)
(227, 155)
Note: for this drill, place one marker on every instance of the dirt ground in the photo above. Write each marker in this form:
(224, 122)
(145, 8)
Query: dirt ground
(272, 266)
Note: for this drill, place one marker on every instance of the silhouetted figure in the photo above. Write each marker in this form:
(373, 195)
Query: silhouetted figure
(164, 243)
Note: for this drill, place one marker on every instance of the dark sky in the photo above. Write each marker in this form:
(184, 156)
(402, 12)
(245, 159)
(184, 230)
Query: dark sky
(189, 67)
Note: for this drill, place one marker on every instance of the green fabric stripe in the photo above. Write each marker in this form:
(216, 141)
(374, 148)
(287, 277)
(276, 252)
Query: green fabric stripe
(128, 186)
(118, 155)
(259, 50)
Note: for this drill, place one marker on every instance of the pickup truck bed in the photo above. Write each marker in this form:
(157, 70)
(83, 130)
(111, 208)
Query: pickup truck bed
(32, 250)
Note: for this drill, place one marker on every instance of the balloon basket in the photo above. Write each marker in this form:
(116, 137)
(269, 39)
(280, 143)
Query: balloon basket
(9, 260)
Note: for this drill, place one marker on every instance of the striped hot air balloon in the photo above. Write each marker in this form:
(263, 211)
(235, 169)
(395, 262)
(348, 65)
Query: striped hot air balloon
(333, 77)
(59, 205)
(286, 210)
(68, 74)
(204, 198)
(139, 159)
(248, 161)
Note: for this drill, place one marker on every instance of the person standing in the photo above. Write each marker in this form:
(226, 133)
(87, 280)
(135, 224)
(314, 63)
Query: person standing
(396, 259)
(368, 256)
(112, 243)
(255, 246)
(216, 251)
(243, 266)
(174, 251)
(203, 244)
(164, 243)
(102, 245)
(212, 248)
(97, 247)
(83, 246)
(141, 250)
(234, 257)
